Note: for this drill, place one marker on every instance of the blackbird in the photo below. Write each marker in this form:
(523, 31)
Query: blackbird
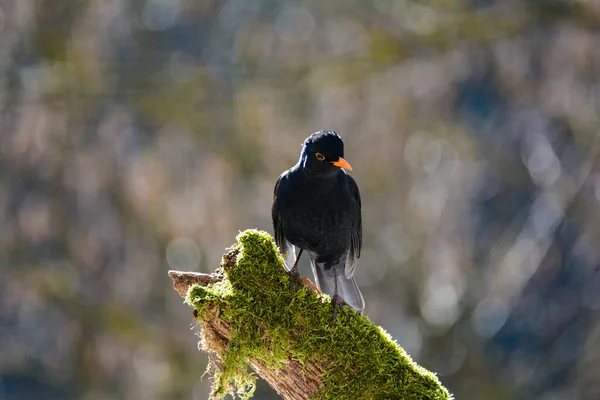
(316, 207)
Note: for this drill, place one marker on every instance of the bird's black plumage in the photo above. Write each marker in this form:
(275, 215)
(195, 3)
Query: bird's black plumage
(317, 208)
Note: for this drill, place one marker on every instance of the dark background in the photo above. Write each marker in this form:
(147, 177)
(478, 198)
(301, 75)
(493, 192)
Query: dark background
(138, 136)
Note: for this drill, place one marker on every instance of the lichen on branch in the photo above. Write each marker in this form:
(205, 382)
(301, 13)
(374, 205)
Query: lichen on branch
(251, 318)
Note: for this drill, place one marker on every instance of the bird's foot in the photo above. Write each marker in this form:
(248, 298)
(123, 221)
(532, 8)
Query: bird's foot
(294, 276)
(339, 303)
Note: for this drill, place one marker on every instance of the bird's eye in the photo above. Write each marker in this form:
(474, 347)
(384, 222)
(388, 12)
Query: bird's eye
(320, 156)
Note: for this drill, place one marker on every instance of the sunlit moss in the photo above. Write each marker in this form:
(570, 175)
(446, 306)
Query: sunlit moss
(256, 302)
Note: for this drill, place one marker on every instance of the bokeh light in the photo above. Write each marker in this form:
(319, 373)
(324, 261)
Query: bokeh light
(139, 136)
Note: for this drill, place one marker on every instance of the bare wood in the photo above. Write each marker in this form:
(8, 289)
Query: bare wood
(183, 280)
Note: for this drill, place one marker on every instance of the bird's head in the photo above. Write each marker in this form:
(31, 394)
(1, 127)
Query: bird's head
(322, 154)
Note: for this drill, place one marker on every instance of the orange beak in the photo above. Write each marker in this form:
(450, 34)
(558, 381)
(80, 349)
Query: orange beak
(342, 164)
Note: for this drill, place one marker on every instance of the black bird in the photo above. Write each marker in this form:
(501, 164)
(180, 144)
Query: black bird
(316, 207)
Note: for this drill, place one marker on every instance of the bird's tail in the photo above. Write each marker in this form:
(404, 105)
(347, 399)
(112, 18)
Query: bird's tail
(347, 287)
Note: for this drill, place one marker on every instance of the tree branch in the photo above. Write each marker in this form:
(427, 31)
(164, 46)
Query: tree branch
(250, 317)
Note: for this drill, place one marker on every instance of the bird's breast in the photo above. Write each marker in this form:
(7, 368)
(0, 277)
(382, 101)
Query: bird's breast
(318, 219)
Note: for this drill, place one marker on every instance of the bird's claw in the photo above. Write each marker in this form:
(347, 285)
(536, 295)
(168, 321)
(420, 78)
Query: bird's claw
(294, 275)
(295, 281)
(339, 303)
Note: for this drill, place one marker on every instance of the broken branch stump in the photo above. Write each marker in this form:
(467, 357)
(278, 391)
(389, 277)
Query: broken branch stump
(250, 318)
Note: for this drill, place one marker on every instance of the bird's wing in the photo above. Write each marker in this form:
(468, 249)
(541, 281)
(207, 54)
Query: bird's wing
(287, 249)
(355, 229)
(277, 228)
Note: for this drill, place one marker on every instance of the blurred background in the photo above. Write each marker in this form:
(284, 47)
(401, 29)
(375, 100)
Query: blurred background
(142, 135)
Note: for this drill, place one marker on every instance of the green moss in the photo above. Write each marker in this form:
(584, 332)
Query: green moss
(256, 301)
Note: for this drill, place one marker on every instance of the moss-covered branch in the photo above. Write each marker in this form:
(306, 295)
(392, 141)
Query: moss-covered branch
(250, 317)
